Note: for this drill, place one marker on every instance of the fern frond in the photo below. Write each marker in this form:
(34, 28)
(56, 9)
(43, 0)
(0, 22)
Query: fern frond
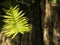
(15, 22)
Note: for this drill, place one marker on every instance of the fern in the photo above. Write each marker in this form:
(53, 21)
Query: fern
(15, 22)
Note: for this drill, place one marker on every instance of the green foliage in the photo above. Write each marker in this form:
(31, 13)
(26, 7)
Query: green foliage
(25, 1)
(15, 22)
(53, 1)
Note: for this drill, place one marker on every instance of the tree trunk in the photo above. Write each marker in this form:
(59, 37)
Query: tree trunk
(46, 23)
(4, 40)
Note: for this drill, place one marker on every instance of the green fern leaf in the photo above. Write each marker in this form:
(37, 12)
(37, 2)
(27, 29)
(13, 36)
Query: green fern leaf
(15, 22)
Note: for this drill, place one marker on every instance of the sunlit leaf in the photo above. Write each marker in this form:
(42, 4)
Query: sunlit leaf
(15, 22)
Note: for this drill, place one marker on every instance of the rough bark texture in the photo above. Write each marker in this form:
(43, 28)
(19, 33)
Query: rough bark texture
(4, 40)
(51, 25)
(46, 19)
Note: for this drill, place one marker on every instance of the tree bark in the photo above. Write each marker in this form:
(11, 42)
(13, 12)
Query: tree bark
(46, 23)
